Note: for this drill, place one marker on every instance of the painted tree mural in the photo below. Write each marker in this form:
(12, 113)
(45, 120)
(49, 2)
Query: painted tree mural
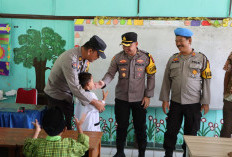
(36, 49)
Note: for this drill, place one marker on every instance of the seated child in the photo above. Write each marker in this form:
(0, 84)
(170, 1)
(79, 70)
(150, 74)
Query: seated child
(53, 123)
(91, 122)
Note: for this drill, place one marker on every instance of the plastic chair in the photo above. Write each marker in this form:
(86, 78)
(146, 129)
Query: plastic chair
(26, 96)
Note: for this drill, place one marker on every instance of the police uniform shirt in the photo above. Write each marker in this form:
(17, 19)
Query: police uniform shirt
(188, 79)
(131, 79)
(63, 80)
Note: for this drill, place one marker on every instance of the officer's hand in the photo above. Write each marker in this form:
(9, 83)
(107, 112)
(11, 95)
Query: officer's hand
(98, 104)
(230, 154)
(205, 107)
(165, 105)
(145, 102)
(99, 84)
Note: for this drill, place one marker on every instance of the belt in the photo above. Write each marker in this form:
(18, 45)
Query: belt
(96, 124)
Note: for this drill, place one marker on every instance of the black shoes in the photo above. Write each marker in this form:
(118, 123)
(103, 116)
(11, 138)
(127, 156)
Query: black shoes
(119, 154)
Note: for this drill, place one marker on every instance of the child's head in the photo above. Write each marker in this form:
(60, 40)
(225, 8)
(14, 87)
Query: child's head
(86, 81)
(53, 121)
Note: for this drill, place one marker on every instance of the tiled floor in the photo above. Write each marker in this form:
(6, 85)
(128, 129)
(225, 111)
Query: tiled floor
(109, 152)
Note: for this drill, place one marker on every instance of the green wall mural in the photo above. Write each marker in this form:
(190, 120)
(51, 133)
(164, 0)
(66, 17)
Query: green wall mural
(36, 49)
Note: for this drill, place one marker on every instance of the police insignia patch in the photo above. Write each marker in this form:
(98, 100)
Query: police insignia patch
(140, 61)
(80, 58)
(74, 65)
(176, 59)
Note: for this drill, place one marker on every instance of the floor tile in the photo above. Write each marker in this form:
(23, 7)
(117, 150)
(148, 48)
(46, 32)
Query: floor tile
(179, 154)
(158, 153)
(106, 150)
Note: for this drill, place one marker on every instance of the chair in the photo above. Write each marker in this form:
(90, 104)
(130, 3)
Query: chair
(26, 96)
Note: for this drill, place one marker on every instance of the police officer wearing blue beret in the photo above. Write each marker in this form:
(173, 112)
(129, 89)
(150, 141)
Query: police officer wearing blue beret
(63, 82)
(187, 77)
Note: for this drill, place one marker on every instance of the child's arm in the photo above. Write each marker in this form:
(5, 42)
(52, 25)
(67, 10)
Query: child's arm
(37, 129)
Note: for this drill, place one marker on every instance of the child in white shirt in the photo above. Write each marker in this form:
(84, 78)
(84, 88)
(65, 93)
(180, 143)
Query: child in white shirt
(91, 122)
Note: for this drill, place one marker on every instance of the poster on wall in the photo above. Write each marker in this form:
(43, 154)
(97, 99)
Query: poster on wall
(4, 68)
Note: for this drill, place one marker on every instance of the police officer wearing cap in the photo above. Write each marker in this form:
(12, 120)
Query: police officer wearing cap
(63, 82)
(187, 76)
(136, 68)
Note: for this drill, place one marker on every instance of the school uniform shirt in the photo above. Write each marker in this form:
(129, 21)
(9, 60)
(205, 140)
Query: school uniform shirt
(55, 146)
(91, 122)
(133, 72)
(63, 81)
(188, 79)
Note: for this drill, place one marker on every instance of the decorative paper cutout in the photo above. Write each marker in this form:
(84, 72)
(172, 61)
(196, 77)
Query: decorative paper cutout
(4, 29)
(2, 52)
(4, 68)
(187, 23)
(79, 28)
(77, 35)
(195, 23)
(122, 22)
(205, 23)
(129, 22)
(79, 21)
(101, 22)
(108, 22)
(216, 23)
(225, 22)
(88, 21)
(4, 39)
(138, 22)
(115, 21)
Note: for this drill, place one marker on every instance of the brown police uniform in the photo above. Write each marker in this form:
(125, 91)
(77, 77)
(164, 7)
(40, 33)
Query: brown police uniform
(188, 80)
(63, 82)
(130, 91)
(227, 107)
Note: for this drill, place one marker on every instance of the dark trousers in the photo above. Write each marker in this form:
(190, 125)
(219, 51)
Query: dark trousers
(192, 117)
(122, 114)
(227, 118)
(66, 107)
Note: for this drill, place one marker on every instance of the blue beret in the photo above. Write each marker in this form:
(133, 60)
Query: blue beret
(183, 32)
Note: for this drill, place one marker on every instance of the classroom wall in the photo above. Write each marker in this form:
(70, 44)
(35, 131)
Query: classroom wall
(168, 8)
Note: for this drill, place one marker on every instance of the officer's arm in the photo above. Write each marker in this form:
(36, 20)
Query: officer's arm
(150, 70)
(98, 104)
(69, 69)
(206, 78)
(166, 85)
(109, 76)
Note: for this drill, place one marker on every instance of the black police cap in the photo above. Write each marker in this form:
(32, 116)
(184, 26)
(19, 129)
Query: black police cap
(128, 38)
(98, 45)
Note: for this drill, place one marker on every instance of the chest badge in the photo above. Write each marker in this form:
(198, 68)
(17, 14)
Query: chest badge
(123, 69)
(140, 61)
(123, 74)
(80, 58)
(122, 61)
(194, 72)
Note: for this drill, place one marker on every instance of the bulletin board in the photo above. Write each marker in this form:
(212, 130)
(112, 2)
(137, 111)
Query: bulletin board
(211, 37)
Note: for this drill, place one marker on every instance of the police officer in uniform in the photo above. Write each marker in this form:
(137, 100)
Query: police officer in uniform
(187, 76)
(134, 66)
(63, 82)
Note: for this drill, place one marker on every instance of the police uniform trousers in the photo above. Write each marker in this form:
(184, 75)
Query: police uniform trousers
(192, 117)
(227, 118)
(122, 115)
(66, 107)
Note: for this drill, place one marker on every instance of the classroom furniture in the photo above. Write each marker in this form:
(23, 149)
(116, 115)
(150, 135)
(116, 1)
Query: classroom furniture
(13, 139)
(199, 146)
(10, 115)
(26, 96)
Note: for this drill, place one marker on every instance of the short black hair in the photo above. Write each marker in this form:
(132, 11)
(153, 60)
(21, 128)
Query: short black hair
(53, 121)
(88, 45)
(84, 78)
